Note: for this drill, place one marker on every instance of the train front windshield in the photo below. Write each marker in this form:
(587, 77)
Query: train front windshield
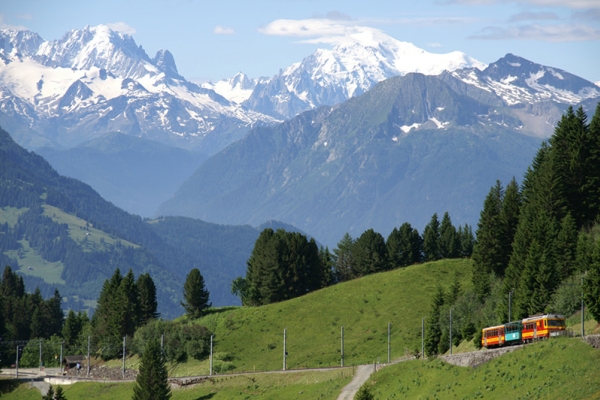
(556, 322)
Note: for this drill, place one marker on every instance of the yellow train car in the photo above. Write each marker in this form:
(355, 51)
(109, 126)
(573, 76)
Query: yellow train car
(543, 327)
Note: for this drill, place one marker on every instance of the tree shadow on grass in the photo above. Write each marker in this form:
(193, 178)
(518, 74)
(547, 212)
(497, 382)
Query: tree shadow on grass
(206, 397)
(8, 385)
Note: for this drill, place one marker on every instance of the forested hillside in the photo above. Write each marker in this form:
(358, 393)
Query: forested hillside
(537, 245)
(59, 233)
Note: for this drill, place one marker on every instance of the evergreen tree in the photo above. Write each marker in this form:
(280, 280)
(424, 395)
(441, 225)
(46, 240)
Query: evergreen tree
(364, 393)
(148, 304)
(152, 380)
(434, 332)
(431, 240)
(49, 394)
(195, 295)
(565, 248)
(449, 240)
(343, 259)
(466, 239)
(487, 252)
(129, 305)
(370, 254)
(59, 395)
(591, 285)
(328, 264)
(72, 328)
(404, 246)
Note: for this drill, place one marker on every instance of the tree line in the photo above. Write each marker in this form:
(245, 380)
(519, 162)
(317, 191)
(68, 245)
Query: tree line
(284, 265)
(537, 246)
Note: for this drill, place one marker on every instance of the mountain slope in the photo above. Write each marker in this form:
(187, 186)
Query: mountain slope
(133, 173)
(95, 80)
(332, 76)
(57, 231)
(408, 148)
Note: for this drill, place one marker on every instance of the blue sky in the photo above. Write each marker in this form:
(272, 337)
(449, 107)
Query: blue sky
(215, 39)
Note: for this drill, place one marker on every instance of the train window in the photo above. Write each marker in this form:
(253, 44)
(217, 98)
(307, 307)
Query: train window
(556, 322)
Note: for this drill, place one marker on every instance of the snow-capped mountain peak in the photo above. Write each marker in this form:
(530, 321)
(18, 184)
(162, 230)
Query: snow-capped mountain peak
(96, 80)
(351, 67)
(517, 80)
(238, 88)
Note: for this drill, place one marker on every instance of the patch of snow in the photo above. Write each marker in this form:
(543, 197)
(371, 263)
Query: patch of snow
(514, 64)
(408, 128)
(440, 108)
(440, 125)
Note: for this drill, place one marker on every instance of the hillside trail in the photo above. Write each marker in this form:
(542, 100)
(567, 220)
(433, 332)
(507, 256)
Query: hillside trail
(363, 372)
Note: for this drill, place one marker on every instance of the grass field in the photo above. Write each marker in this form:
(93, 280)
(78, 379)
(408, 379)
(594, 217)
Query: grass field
(308, 385)
(252, 337)
(562, 368)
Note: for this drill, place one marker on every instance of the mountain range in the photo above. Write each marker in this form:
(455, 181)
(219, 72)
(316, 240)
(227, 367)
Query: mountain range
(95, 81)
(368, 134)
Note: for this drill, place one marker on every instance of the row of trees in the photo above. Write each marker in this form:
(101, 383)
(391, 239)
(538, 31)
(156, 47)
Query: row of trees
(536, 243)
(284, 265)
(536, 238)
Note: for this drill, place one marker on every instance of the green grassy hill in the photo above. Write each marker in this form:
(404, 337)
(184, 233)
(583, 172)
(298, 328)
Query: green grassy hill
(252, 337)
(563, 368)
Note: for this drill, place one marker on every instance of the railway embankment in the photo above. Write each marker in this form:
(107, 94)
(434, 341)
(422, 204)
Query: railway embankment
(475, 358)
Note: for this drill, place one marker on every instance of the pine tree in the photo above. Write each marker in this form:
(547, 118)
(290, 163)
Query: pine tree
(434, 332)
(49, 394)
(128, 304)
(466, 239)
(59, 395)
(364, 393)
(591, 285)
(487, 252)
(148, 304)
(431, 240)
(343, 259)
(449, 241)
(195, 295)
(152, 380)
(404, 246)
(370, 254)
(565, 248)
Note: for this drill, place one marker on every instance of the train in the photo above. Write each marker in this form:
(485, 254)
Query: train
(524, 331)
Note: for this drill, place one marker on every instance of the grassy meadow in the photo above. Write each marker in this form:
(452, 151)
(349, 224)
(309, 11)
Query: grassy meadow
(251, 338)
(308, 385)
(561, 368)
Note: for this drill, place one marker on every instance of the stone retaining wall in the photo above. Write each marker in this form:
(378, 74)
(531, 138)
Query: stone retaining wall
(476, 358)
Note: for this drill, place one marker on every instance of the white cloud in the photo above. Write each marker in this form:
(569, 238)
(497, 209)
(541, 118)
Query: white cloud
(336, 31)
(222, 30)
(434, 44)
(546, 33)
(4, 25)
(541, 3)
(121, 27)
(534, 16)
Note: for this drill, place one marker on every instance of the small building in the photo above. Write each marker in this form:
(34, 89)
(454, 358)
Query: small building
(71, 361)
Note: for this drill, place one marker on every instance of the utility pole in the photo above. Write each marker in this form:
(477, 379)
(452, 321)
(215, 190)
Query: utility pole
(162, 345)
(284, 349)
(342, 346)
(450, 331)
(389, 348)
(210, 372)
(17, 362)
(88, 357)
(582, 312)
(40, 354)
(124, 343)
(423, 338)
(61, 355)
(510, 306)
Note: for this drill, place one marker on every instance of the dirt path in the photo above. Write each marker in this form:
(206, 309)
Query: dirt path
(363, 372)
